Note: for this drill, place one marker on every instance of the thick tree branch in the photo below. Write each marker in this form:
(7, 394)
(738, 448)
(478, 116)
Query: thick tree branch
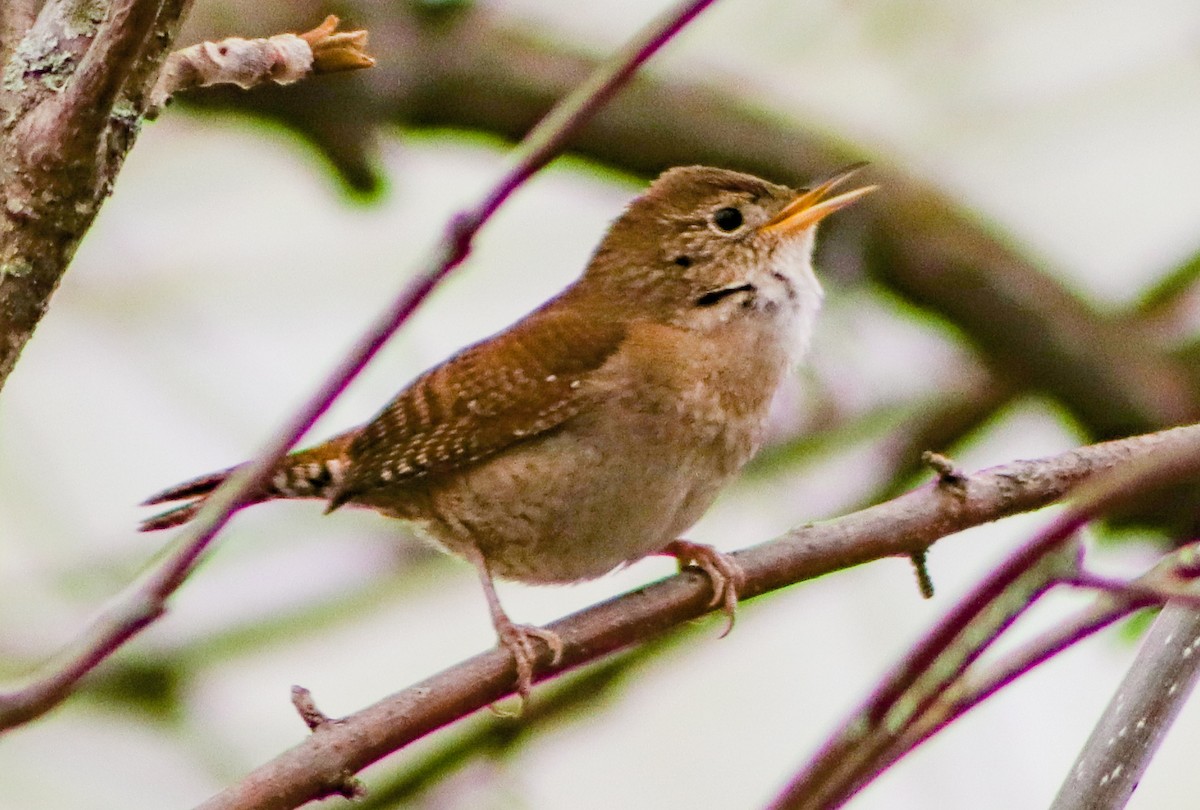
(73, 98)
(908, 523)
(71, 110)
(65, 128)
(143, 603)
(170, 18)
(16, 17)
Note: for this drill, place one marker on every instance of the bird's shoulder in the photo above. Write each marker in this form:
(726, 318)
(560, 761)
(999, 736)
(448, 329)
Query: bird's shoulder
(522, 382)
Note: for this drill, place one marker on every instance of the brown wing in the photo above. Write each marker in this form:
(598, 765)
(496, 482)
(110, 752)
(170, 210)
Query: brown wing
(489, 396)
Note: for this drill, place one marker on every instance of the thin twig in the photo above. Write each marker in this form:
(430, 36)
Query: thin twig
(1177, 571)
(1120, 748)
(949, 474)
(306, 707)
(281, 59)
(907, 523)
(971, 690)
(859, 750)
(146, 600)
(867, 743)
(1169, 574)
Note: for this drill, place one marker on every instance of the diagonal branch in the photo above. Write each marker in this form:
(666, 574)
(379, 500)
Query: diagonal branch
(62, 130)
(1160, 680)
(909, 523)
(71, 111)
(147, 600)
(1174, 573)
(871, 739)
(582, 694)
(867, 742)
(78, 112)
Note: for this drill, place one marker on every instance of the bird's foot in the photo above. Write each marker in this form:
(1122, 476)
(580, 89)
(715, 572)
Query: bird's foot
(723, 570)
(518, 639)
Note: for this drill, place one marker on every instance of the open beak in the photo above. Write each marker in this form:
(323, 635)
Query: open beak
(811, 206)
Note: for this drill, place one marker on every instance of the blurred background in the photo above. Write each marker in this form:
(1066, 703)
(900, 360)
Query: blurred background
(1024, 283)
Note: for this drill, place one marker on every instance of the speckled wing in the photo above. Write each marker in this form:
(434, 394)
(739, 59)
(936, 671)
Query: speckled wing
(490, 396)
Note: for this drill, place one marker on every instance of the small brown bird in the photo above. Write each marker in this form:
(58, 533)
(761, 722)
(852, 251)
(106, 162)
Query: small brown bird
(600, 426)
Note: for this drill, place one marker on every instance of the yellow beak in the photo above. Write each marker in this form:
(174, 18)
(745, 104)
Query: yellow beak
(810, 208)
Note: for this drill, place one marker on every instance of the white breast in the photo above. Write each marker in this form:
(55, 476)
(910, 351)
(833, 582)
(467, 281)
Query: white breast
(788, 282)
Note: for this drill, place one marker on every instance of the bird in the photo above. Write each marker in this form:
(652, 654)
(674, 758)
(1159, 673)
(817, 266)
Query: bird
(598, 428)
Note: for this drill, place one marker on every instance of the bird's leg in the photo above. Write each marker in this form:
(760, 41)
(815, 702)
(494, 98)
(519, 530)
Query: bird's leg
(516, 638)
(726, 575)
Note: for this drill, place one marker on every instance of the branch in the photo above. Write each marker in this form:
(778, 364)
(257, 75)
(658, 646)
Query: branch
(147, 600)
(909, 523)
(72, 122)
(1174, 570)
(73, 97)
(581, 694)
(281, 59)
(870, 740)
(16, 18)
(58, 135)
(70, 115)
(1119, 750)
(973, 689)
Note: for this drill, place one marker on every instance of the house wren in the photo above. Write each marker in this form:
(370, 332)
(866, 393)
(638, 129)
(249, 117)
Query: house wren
(596, 429)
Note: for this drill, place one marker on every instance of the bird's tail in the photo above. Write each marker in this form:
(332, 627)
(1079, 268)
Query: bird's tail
(312, 473)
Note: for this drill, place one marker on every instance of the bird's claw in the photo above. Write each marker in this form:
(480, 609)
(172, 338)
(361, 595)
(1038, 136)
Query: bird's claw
(726, 575)
(518, 640)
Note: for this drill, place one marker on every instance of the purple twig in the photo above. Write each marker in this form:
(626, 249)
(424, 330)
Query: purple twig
(879, 733)
(1174, 574)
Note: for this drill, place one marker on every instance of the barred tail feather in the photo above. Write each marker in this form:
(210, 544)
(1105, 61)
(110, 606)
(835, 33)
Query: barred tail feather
(195, 488)
(313, 473)
(194, 491)
(176, 516)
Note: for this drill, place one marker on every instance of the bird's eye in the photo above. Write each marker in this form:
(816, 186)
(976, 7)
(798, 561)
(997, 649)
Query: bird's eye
(728, 219)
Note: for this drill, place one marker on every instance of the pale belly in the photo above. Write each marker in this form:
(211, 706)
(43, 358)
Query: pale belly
(562, 509)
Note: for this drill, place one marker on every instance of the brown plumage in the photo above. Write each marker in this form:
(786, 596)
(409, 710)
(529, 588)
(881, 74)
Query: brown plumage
(600, 426)
(483, 399)
(496, 393)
